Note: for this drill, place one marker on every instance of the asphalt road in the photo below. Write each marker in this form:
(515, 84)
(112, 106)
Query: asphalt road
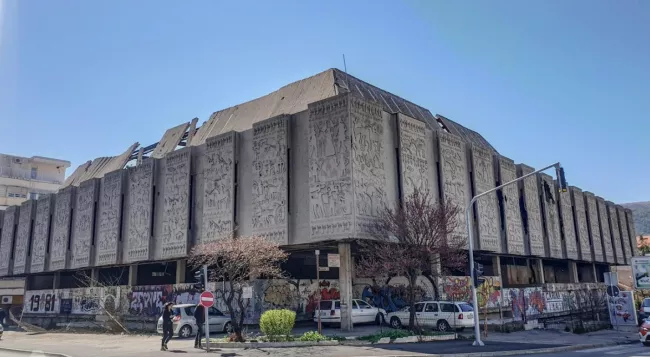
(633, 350)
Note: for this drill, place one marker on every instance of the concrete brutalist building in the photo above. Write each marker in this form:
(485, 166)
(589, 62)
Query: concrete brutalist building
(308, 166)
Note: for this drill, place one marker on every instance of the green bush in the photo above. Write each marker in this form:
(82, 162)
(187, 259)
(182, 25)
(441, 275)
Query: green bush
(312, 336)
(276, 324)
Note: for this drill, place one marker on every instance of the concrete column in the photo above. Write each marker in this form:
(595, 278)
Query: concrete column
(94, 277)
(345, 285)
(593, 266)
(496, 266)
(539, 269)
(180, 271)
(133, 275)
(56, 283)
(573, 272)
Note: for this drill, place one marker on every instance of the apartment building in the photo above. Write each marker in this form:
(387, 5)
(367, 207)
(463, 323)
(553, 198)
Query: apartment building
(23, 178)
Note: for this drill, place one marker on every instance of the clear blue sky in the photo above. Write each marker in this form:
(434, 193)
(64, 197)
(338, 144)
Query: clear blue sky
(541, 80)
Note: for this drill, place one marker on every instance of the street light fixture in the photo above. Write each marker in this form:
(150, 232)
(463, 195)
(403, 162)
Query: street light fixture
(559, 170)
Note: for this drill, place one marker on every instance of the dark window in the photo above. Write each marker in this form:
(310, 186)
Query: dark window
(466, 308)
(448, 308)
(431, 308)
(325, 305)
(419, 307)
(646, 303)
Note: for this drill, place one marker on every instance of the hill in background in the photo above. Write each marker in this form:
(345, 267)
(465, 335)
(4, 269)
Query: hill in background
(641, 211)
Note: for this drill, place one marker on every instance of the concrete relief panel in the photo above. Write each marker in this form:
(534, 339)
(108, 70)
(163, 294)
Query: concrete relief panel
(176, 204)
(488, 220)
(83, 224)
(549, 202)
(109, 216)
(625, 237)
(615, 232)
(219, 187)
(62, 220)
(270, 179)
(605, 232)
(416, 157)
(455, 176)
(514, 231)
(330, 169)
(568, 226)
(7, 240)
(533, 211)
(593, 227)
(580, 214)
(631, 231)
(368, 164)
(41, 234)
(137, 245)
(23, 236)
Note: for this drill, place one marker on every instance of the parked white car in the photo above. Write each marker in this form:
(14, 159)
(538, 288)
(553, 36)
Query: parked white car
(441, 315)
(362, 312)
(185, 323)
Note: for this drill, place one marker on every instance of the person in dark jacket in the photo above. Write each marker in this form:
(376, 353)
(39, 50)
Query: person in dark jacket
(3, 315)
(168, 325)
(199, 316)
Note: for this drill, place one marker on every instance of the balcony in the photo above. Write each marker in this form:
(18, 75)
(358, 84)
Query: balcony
(27, 175)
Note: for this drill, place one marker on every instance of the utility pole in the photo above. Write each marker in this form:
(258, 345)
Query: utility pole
(207, 322)
(559, 170)
(318, 288)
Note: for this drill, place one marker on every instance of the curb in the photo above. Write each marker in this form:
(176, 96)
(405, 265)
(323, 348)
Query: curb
(272, 344)
(522, 352)
(27, 352)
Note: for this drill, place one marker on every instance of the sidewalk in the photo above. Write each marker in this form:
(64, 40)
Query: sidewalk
(103, 345)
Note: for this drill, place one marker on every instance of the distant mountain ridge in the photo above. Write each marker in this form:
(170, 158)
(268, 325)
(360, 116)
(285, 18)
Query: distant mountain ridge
(641, 211)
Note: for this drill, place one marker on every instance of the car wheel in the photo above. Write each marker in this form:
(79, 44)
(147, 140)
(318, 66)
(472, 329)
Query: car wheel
(395, 322)
(379, 319)
(185, 332)
(443, 326)
(227, 328)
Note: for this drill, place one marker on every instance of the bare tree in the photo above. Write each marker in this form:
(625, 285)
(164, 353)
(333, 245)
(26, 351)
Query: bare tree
(410, 239)
(235, 262)
(106, 298)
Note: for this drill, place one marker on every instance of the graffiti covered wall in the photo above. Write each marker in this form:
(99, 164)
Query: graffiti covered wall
(391, 295)
(458, 288)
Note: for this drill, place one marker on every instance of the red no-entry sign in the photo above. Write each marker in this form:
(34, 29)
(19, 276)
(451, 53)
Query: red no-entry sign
(206, 299)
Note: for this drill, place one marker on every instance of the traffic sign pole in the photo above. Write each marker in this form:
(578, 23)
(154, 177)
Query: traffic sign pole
(207, 323)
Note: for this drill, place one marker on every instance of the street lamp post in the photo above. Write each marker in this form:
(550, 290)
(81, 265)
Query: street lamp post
(468, 210)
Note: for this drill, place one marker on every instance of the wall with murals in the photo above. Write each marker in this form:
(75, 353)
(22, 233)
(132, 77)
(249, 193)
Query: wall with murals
(301, 296)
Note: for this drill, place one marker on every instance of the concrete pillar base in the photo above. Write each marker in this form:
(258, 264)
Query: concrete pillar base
(345, 285)
(94, 277)
(133, 274)
(56, 283)
(180, 271)
(573, 272)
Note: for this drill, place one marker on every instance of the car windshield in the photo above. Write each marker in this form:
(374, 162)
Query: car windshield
(325, 305)
(646, 303)
(466, 307)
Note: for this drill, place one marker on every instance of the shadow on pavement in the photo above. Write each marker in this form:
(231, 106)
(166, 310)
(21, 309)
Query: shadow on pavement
(461, 347)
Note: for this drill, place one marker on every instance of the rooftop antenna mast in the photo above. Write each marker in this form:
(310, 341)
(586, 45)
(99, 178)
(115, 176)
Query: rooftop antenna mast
(347, 78)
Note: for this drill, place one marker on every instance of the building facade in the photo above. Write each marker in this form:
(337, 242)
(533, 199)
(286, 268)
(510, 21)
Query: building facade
(308, 166)
(23, 178)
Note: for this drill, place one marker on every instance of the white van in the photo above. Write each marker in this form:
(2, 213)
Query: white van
(441, 315)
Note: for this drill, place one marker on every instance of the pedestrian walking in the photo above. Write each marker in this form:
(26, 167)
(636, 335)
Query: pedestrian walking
(3, 316)
(168, 326)
(199, 316)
